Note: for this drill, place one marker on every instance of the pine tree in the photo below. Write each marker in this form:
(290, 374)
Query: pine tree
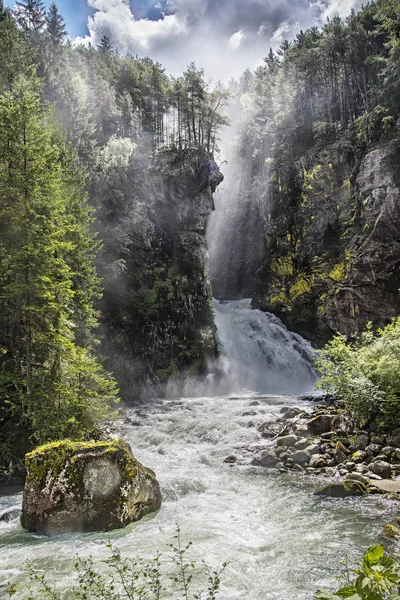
(49, 378)
(55, 25)
(105, 45)
(30, 15)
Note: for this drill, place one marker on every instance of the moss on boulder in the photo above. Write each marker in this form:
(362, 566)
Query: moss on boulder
(86, 486)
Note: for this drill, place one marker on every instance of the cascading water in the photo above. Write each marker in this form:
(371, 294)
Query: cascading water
(281, 541)
(258, 353)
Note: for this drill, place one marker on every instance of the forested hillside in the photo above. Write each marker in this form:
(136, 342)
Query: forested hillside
(321, 133)
(89, 203)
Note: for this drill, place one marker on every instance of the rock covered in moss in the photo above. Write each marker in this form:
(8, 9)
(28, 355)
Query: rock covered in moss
(86, 486)
(341, 489)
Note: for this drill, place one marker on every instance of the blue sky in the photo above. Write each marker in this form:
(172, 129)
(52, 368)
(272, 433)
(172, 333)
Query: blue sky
(75, 13)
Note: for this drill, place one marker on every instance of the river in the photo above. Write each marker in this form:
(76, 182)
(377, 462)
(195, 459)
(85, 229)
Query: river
(280, 540)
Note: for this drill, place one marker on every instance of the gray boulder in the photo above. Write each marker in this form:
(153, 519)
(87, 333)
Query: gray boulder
(300, 457)
(381, 468)
(320, 424)
(287, 440)
(88, 486)
(266, 459)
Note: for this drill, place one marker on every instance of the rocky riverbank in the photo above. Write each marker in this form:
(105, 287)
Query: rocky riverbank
(322, 442)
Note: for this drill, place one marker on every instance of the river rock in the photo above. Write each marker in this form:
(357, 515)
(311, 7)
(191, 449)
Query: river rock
(88, 486)
(373, 449)
(357, 477)
(317, 461)
(339, 456)
(10, 514)
(266, 459)
(361, 442)
(287, 440)
(341, 489)
(313, 449)
(387, 485)
(328, 435)
(391, 531)
(360, 456)
(381, 468)
(320, 424)
(302, 444)
(291, 412)
(300, 457)
(393, 440)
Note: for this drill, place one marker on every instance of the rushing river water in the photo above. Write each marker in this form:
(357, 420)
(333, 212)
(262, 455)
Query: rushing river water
(280, 540)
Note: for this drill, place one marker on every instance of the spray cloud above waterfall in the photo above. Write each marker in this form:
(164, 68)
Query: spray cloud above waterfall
(222, 36)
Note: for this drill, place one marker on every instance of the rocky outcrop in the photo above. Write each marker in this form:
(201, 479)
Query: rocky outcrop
(158, 317)
(88, 486)
(333, 236)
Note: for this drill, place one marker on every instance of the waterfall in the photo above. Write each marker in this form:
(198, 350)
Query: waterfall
(258, 352)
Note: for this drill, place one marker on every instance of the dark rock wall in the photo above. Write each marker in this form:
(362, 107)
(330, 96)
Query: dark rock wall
(333, 241)
(158, 315)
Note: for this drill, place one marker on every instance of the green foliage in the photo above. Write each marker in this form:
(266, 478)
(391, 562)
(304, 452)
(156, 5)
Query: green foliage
(363, 374)
(377, 577)
(49, 377)
(121, 578)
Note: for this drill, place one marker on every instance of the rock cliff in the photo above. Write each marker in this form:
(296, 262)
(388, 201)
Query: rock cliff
(333, 241)
(158, 316)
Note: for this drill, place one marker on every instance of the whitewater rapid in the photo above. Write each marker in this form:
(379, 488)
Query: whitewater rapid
(280, 540)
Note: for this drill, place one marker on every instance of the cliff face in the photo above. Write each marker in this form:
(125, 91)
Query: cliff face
(333, 241)
(158, 314)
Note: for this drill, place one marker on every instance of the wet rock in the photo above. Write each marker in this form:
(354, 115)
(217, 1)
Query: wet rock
(391, 531)
(341, 489)
(287, 440)
(320, 424)
(266, 459)
(87, 486)
(298, 468)
(290, 412)
(381, 468)
(230, 459)
(330, 471)
(300, 457)
(10, 514)
(343, 472)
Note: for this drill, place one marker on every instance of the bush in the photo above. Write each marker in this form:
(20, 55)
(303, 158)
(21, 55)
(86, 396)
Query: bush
(364, 374)
(376, 578)
(129, 579)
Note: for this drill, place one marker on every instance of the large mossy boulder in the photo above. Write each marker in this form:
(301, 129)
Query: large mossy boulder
(86, 486)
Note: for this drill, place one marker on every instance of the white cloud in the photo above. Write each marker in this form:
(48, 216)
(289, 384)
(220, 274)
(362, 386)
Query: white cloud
(235, 40)
(209, 32)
